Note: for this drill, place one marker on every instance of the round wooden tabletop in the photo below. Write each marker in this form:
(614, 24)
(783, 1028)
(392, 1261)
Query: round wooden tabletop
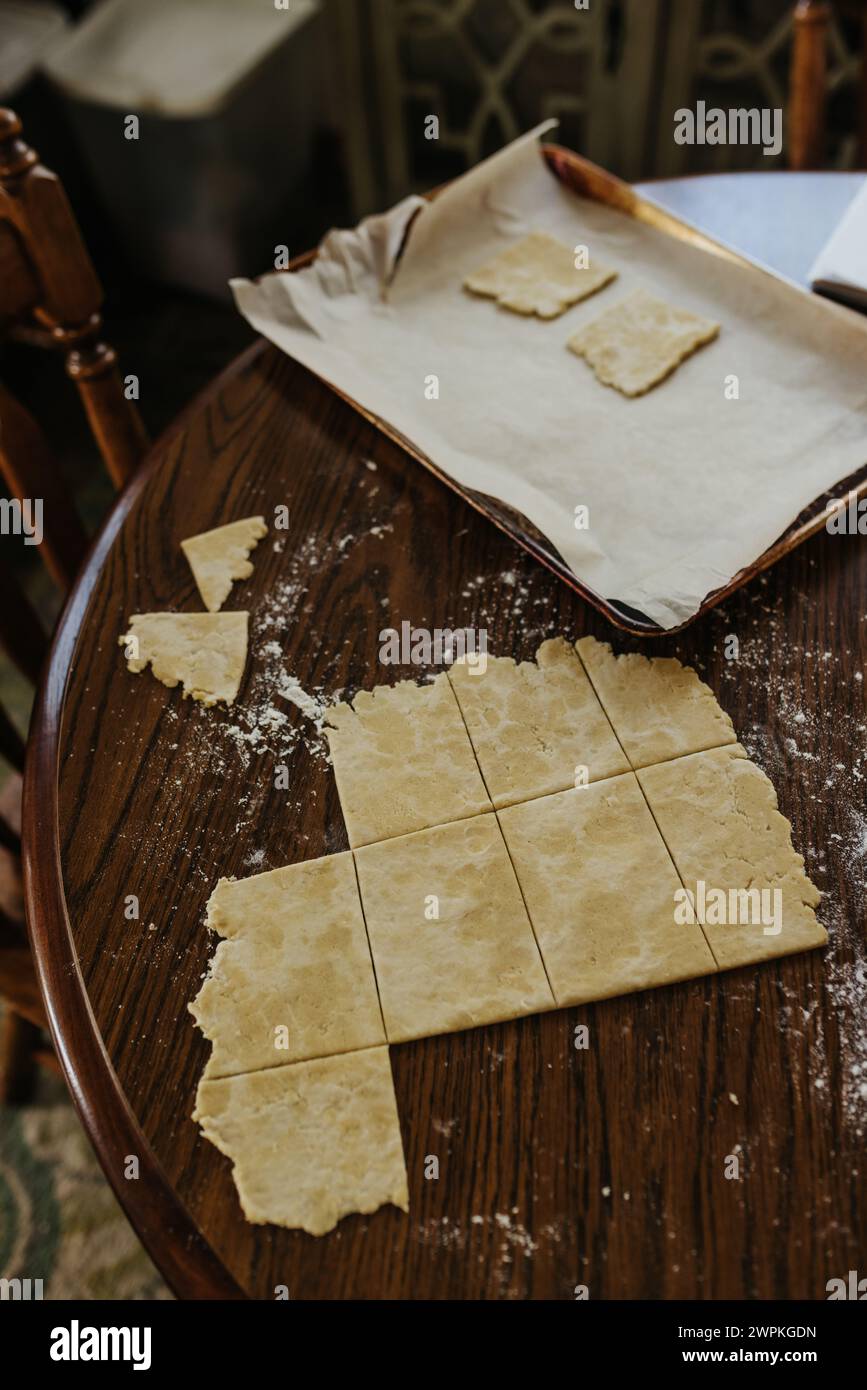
(558, 1167)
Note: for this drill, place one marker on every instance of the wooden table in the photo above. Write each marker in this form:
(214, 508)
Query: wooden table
(558, 1167)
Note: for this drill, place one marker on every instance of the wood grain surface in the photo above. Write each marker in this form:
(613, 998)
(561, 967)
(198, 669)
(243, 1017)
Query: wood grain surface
(559, 1167)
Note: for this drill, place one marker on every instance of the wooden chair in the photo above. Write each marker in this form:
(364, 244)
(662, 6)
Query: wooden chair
(49, 295)
(807, 80)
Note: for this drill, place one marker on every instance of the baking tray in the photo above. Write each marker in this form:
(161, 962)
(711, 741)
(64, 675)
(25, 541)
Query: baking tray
(589, 181)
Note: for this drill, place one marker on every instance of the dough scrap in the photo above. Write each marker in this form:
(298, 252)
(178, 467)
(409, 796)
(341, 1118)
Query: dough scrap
(639, 342)
(533, 724)
(219, 557)
(205, 652)
(478, 961)
(403, 761)
(538, 275)
(600, 889)
(718, 814)
(295, 956)
(310, 1142)
(659, 709)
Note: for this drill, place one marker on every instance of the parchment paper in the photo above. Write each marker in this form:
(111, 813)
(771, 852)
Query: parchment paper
(684, 486)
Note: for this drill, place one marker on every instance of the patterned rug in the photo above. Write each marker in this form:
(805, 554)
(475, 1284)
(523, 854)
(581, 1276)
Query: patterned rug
(59, 1221)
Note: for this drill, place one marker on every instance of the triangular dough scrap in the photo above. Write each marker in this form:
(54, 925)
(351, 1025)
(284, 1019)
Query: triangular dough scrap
(658, 708)
(638, 342)
(538, 275)
(219, 557)
(534, 724)
(204, 652)
(310, 1142)
(295, 958)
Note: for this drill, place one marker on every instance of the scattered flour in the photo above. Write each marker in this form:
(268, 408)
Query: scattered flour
(794, 732)
(290, 689)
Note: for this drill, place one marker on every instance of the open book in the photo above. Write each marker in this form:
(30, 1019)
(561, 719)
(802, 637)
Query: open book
(840, 269)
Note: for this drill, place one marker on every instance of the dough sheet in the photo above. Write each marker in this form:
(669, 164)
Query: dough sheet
(471, 915)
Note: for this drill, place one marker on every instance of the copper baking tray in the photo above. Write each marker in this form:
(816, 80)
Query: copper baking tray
(589, 181)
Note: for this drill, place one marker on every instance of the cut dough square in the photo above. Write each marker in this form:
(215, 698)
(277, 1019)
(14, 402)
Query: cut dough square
(403, 761)
(219, 557)
(294, 978)
(718, 814)
(538, 275)
(309, 1142)
(659, 709)
(477, 960)
(533, 725)
(204, 652)
(600, 889)
(638, 342)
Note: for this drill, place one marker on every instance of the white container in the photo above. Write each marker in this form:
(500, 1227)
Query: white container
(225, 96)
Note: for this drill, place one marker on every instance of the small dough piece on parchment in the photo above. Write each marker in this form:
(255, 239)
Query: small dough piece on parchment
(718, 815)
(533, 724)
(538, 275)
(659, 708)
(600, 889)
(403, 761)
(310, 1142)
(204, 652)
(638, 343)
(476, 961)
(296, 958)
(219, 557)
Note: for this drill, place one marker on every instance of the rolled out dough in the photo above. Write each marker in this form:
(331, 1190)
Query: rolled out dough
(637, 343)
(296, 958)
(535, 724)
(538, 275)
(599, 885)
(659, 708)
(403, 761)
(204, 652)
(718, 814)
(219, 557)
(476, 961)
(455, 935)
(310, 1142)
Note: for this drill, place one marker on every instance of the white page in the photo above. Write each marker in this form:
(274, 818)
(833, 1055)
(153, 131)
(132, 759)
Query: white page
(843, 258)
